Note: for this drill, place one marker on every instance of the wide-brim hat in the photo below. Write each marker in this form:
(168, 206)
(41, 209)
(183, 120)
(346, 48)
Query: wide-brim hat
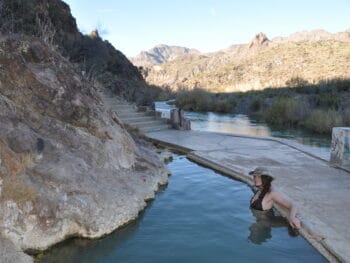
(261, 171)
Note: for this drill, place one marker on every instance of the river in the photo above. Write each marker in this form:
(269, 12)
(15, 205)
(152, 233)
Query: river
(243, 125)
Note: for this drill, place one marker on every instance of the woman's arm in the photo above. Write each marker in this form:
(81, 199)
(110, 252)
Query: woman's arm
(280, 199)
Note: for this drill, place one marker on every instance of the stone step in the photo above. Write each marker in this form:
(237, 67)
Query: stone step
(155, 128)
(123, 107)
(124, 110)
(146, 123)
(127, 115)
(115, 101)
(139, 119)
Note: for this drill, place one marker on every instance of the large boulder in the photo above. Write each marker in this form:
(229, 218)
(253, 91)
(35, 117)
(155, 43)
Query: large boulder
(67, 168)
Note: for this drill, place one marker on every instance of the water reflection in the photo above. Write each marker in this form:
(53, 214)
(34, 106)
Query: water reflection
(243, 125)
(234, 124)
(260, 231)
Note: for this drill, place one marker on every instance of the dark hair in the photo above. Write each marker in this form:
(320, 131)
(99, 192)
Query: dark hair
(266, 183)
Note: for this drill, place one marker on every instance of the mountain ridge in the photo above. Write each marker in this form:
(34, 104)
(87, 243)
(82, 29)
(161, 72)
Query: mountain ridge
(309, 55)
(299, 36)
(159, 54)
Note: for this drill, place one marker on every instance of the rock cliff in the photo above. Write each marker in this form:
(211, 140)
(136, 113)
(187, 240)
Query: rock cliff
(68, 167)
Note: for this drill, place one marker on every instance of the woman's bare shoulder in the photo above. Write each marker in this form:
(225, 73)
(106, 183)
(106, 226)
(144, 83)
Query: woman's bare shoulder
(280, 198)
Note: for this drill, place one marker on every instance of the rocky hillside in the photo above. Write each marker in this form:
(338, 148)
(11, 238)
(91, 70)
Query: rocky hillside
(68, 166)
(308, 57)
(97, 58)
(160, 54)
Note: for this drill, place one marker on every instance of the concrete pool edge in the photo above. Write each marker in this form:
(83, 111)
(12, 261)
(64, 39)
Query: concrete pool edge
(325, 246)
(294, 145)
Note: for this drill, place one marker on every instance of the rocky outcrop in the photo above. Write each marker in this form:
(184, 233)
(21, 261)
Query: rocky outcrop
(160, 54)
(67, 165)
(10, 253)
(259, 40)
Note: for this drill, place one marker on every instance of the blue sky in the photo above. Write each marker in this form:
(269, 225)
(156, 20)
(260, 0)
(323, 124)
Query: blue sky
(207, 25)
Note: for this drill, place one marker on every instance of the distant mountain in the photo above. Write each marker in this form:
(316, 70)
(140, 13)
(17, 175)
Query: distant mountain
(314, 35)
(308, 56)
(259, 40)
(160, 54)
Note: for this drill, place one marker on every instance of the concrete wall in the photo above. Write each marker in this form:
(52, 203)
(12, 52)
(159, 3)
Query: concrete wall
(340, 152)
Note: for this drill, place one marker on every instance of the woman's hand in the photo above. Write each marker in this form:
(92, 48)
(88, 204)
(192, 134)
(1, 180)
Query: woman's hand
(295, 223)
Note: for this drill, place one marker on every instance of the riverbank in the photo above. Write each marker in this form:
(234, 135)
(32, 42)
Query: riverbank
(317, 107)
(319, 190)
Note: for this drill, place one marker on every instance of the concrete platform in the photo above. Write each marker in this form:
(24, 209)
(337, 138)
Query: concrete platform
(321, 192)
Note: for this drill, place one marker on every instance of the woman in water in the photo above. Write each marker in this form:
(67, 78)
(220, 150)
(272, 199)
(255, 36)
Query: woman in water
(265, 197)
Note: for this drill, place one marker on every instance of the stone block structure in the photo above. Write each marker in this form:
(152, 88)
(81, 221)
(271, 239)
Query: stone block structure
(178, 120)
(340, 151)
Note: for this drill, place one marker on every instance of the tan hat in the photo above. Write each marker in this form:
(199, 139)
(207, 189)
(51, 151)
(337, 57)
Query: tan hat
(261, 171)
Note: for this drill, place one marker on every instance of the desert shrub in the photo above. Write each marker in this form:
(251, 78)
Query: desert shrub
(282, 112)
(328, 100)
(309, 89)
(322, 121)
(296, 82)
(17, 16)
(346, 116)
(224, 105)
(195, 100)
(342, 85)
(337, 84)
(256, 105)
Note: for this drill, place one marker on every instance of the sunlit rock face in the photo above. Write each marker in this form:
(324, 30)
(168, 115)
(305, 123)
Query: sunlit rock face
(67, 165)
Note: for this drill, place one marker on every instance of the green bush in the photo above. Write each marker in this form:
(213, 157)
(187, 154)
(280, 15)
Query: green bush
(328, 100)
(201, 100)
(282, 112)
(256, 105)
(322, 121)
(346, 116)
(195, 100)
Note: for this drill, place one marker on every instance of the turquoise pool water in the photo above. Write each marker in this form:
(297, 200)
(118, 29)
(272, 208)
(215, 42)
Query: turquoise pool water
(201, 216)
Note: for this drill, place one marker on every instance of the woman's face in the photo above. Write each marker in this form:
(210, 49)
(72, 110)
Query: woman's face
(258, 181)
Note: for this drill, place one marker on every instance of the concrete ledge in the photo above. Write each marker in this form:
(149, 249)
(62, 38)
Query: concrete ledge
(291, 144)
(319, 190)
(286, 142)
(171, 146)
(306, 231)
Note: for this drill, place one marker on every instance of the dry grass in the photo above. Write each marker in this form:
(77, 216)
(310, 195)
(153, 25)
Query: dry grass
(12, 165)
(14, 189)
(323, 121)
